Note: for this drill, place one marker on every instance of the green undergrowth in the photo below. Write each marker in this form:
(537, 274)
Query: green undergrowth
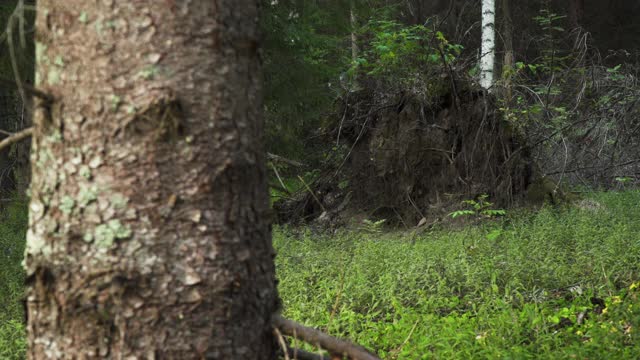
(13, 226)
(551, 284)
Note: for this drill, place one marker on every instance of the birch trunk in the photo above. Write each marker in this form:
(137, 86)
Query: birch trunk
(148, 236)
(487, 51)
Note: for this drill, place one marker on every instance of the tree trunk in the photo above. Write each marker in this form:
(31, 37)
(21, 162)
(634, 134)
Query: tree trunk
(508, 60)
(576, 13)
(487, 51)
(354, 37)
(148, 233)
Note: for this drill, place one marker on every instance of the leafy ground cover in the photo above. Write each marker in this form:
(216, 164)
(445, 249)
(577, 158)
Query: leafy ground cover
(557, 283)
(13, 227)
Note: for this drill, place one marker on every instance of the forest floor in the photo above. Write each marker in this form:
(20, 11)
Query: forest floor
(549, 284)
(13, 228)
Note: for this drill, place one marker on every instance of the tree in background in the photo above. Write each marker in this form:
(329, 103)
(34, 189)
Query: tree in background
(306, 50)
(488, 48)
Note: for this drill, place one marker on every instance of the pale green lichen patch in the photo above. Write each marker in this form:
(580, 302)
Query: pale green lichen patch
(66, 205)
(148, 72)
(106, 234)
(99, 26)
(120, 230)
(53, 77)
(56, 136)
(85, 172)
(83, 18)
(88, 237)
(87, 195)
(115, 102)
(41, 53)
(118, 201)
(36, 245)
(44, 157)
(59, 61)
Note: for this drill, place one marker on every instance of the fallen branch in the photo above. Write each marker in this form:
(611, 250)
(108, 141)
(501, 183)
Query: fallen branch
(275, 170)
(29, 89)
(315, 337)
(600, 169)
(312, 193)
(278, 158)
(297, 354)
(14, 138)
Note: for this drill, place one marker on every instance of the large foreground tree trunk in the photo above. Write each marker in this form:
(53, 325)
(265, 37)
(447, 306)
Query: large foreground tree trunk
(148, 235)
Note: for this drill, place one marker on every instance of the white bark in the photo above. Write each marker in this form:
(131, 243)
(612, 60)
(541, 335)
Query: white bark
(488, 47)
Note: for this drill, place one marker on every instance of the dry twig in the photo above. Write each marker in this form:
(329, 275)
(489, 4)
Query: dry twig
(14, 138)
(315, 337)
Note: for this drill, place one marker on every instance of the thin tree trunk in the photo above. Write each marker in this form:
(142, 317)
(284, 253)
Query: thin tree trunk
(508, 60)
(148, 236)
(354, 36)
(487, 51)
(576, 13)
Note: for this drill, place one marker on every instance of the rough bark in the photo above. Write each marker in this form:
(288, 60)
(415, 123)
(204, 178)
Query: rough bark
(147, 229)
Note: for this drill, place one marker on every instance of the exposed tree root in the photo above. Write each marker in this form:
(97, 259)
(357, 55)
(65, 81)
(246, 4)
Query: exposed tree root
(334, 346)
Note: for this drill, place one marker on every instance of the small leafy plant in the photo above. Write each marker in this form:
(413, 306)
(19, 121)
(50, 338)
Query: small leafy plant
(372, 226)
(479, 207)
